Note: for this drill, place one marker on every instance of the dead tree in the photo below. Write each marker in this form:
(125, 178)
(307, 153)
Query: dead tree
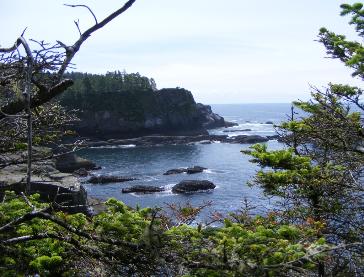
(41, 68)
(53, 59)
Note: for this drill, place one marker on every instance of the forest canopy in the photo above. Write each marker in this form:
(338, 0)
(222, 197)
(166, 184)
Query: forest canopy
(95, 92)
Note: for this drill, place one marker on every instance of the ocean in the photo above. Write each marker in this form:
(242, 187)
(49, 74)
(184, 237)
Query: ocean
(227, 167)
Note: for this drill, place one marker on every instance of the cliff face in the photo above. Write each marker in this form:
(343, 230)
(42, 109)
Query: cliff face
(167, 111)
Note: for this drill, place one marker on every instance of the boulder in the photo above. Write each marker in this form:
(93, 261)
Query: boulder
(70, 162)
(269, 122)
(195, 169)
(142, 189)
(192, 186)
(104, 179)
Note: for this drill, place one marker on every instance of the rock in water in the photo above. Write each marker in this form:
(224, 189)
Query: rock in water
(237, 130)
(175, 171)
(195, 169)
(192, 186)
(248, 139)
(104, 179)
(82, 172)
(142, 189)
(188, 170)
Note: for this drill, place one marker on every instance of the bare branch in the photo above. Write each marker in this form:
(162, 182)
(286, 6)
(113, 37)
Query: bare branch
(84, 6)
(10, 49)
(50, 59)
(27, 201)
(77, 23)
(44, 95)
(72, 50)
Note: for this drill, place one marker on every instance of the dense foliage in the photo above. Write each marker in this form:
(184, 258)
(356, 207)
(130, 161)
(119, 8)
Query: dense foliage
(36, 239)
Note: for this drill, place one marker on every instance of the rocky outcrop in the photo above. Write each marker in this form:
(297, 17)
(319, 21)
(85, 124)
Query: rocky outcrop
(63, 189)
(170, 111)
(70, 162)
(105, 179)
(209, 119)
(177, 140)
(82, 172)
(188, 170)
(135, 113)
(237, 130)
(142, 189)
(187, 186)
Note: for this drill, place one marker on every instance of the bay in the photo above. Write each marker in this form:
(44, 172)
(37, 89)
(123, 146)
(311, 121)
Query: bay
(228, 168)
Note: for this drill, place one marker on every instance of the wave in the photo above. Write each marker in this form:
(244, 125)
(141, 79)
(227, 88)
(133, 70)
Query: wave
(122, 146)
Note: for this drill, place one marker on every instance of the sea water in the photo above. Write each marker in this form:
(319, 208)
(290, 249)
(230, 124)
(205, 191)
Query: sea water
(227, 167)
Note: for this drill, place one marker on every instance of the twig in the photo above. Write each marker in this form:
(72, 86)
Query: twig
(27, 201)
(84, 6)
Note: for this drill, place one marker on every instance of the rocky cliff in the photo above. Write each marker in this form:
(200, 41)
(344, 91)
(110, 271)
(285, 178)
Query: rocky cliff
(170, 111)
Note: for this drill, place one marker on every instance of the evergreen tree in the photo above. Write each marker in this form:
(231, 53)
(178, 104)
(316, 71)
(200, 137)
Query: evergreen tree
(319, 177)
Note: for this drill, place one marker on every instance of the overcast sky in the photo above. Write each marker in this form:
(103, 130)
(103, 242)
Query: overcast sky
(232, 51)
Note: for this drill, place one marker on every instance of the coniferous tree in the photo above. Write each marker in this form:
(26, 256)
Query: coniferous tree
(319, 177)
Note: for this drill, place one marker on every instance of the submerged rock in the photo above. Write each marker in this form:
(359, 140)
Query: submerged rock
(142, 189)
(104, 179)
(192, 186)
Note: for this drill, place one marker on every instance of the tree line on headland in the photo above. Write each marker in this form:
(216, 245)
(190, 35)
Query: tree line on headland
(89, 90)
(316, 230)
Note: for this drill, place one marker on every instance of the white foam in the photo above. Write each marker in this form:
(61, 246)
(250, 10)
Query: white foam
(122, 146)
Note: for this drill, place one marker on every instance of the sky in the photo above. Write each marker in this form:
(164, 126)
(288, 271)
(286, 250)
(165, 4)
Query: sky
(232, 51)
